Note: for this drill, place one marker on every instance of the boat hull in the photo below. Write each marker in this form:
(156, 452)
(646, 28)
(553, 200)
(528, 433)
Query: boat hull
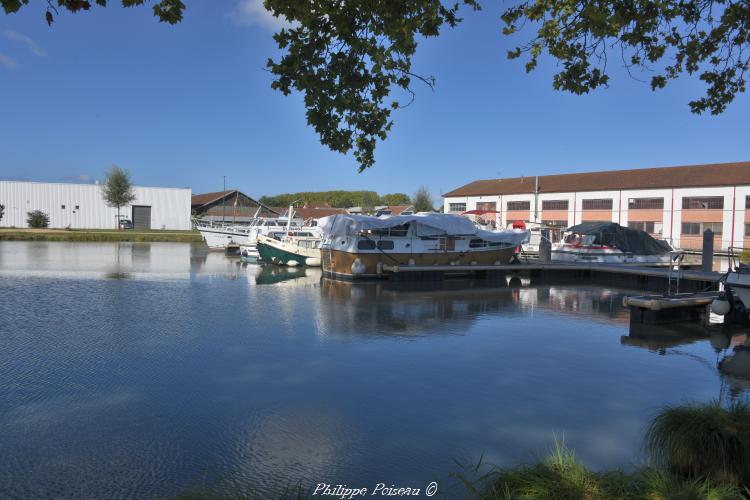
(739, 283)
(601, 255)
(276, 252)
(217, 239)
(342, 264)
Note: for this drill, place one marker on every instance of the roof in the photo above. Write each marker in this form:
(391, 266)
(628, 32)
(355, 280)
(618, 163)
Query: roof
(206, 198)
(717, 174)
(395, 209)
(201, 200)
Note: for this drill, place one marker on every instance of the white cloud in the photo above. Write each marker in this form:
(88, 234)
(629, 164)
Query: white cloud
(252, 12)
(7, 62)
(24, 40)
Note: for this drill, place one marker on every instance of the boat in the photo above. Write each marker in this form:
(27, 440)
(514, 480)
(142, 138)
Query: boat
(290, 250)
(217, 237)
(535, 234)
(737, 285)
(358, 246)
(610, 243)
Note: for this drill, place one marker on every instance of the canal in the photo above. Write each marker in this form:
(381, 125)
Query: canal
(153, 370)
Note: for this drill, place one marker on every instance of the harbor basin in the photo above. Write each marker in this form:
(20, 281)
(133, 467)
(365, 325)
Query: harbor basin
(162, 369)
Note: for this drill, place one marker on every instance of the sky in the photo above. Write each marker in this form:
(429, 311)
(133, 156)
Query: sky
(186, 105)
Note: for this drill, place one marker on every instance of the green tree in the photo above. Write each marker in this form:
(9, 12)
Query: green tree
(422, 200)
(117, 190)
(37, 219)
(395, 199)
(346, 58)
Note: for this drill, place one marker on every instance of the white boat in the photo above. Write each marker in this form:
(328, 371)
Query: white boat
(610, 243)
(738, 281)
(217, 237)
(357, 246)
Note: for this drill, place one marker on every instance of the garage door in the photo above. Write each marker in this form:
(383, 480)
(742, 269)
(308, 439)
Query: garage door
(141, 217)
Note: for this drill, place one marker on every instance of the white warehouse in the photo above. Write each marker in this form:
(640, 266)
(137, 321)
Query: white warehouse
(81, 206)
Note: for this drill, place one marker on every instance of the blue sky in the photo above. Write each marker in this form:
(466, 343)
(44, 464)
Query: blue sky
(185, 105)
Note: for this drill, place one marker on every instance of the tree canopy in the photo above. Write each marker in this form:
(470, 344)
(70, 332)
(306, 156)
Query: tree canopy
(337, 199)
(117, 189)
(422, 200)
(346, 58)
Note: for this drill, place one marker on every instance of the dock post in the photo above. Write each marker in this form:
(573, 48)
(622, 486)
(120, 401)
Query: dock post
(707, 258)
(545, 247)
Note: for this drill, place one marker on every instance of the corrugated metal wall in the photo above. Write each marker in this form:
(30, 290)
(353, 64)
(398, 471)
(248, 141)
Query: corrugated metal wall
(170, 207)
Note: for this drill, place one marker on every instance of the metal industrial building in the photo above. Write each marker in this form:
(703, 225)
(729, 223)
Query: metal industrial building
(81, 206)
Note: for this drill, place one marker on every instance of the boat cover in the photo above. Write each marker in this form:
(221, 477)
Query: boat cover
(626, 239)
(427, 224)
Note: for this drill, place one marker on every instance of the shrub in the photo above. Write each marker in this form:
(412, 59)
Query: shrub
(37, 219)
(703, 441)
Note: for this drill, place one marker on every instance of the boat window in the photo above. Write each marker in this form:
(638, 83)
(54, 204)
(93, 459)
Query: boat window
(476, 243)
(400, 230)
(365, 245)
(385, 245)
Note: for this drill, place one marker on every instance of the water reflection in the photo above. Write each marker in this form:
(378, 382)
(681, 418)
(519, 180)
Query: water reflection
(204, 374)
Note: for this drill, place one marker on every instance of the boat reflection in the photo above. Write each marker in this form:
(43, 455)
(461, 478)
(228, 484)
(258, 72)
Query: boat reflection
(731, 346)
(269, 274)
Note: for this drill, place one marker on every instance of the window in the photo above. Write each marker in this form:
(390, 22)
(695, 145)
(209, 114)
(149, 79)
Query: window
(76, 207)
(600, 204)
(645, 203)
(747, 230)
(365, 245)
(650, 227)
(555, 223)
(747, 202)
(457, 207)
(697, 228)
(62, 207)
(554, 204)
(385, 245)
(519, 205)
(711, 202)
(487, 205)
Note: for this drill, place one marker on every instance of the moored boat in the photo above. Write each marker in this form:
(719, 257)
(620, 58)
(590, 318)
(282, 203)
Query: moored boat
(356, 246)
(610, 243)
(290, 250)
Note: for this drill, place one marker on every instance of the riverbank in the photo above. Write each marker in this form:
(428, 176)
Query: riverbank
(99, 235)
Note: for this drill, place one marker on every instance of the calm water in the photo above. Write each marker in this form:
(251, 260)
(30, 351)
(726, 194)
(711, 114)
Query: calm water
(150, 370)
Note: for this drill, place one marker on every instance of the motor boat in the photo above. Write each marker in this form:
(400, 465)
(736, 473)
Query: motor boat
(611, 243)
(357, 246)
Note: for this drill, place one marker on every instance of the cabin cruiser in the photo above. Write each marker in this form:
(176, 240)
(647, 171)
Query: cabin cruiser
(737, 282)
(357, 246)
(610, 243)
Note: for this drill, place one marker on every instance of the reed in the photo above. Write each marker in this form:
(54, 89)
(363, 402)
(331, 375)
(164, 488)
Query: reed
(702, 441)
(560, 476)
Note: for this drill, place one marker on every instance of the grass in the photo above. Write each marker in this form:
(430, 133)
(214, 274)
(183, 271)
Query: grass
(561, 477)
(703, 441)
(99, 235)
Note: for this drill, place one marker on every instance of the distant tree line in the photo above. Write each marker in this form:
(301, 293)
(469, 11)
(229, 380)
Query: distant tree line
(338, 199)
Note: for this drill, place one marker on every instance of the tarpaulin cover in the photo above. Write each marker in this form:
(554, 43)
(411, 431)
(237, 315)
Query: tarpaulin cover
(626, 239)
(427, 224)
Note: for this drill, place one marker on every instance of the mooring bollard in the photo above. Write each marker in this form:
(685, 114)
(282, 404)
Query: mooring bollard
(545, 247)
(707, 259)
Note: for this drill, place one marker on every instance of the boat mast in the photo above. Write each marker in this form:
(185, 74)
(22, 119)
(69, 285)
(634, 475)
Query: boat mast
(536, 198)
(289, 218)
